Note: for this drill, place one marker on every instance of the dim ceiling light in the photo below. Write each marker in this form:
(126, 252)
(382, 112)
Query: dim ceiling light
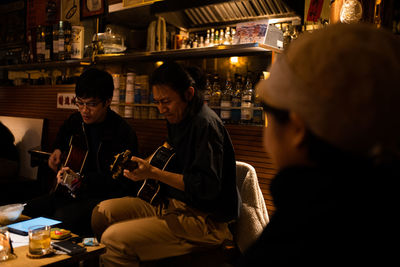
(234, 60)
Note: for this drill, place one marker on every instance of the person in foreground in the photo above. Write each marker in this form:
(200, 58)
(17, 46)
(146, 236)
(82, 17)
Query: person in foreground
(332, 104)
(198, 187)
(96, 134)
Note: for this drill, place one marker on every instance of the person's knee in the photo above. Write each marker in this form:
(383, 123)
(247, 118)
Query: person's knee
(99, 221)
(105, 214)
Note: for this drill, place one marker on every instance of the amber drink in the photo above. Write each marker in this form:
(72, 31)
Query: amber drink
(39, 239)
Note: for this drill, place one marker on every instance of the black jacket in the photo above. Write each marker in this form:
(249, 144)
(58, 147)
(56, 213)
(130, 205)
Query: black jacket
(206, 158)
(328, 217)
(103, 141)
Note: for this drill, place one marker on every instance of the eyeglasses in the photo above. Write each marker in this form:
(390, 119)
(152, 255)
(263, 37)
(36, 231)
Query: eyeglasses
(81, 104)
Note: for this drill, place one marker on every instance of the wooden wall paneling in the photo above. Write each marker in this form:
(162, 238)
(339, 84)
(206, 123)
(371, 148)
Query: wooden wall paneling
(35, 102)
(248, 144)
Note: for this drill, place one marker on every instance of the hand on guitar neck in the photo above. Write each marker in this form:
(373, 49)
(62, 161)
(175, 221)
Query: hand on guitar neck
(150, 171)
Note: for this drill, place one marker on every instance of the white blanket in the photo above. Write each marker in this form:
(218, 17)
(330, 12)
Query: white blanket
(253, 212)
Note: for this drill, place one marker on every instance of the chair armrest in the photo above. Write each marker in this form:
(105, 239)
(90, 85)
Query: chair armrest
(38, 156)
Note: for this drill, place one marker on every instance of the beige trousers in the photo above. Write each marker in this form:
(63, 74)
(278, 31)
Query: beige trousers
(133, 230)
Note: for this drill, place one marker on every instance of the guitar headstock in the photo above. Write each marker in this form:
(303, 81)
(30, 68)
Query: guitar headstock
(122, 161)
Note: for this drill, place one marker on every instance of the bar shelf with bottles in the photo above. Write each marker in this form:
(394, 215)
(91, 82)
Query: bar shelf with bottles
(234, 101)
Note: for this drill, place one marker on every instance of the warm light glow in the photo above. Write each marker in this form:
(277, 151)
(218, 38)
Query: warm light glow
(234, 60)
(266, 74)
(159, 63)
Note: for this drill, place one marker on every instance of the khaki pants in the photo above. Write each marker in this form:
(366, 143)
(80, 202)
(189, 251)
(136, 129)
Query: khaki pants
(133, 230)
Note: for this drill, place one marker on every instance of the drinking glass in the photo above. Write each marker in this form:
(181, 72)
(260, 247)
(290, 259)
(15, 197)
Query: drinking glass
(39, 239)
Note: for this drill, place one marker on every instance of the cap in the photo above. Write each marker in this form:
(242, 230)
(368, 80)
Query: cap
(343, 81)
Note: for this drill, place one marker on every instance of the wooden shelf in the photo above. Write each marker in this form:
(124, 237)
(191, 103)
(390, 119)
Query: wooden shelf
(215, 51)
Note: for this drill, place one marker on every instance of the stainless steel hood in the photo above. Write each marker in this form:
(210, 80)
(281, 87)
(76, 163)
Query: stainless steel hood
(191, 14)
(225, 12)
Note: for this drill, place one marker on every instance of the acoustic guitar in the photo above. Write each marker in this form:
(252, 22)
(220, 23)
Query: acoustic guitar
(150, 189)
(75, 160)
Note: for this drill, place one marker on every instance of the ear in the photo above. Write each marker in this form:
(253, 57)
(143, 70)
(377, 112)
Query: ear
(298, 129)
(189, 93)
(108, 102)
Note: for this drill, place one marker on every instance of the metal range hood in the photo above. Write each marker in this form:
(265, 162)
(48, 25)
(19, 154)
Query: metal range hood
(198, 14)
(192, 14)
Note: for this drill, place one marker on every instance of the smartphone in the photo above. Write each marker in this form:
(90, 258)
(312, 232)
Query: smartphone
(69, 247)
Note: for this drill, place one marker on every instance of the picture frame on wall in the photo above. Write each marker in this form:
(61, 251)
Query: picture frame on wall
(91, 8)
(70, 11)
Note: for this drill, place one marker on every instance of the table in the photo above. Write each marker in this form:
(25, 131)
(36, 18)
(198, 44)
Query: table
(23, 261)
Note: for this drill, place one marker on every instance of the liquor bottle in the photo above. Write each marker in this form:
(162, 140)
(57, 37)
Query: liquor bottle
(40, 43)
(48, 43)
(31, 44)
(247, 102)
(233, 35)
(221, 37)
(195, 42)
(201, 42)
(216, 38)
(207, 40)
(55, 56)
(258, 113)
(236, 100)
(215, 99)
(208, 91)
(212, 37)
(51, 11)
(61, 40)
(228, 38)
(67, 40)
(226, 101)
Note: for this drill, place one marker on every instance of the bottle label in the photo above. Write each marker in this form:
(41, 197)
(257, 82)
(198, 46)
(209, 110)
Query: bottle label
(225, 114)
(226, 104)
(40, 47)
(246, 98)
(247, 112)
(55, 46)
(61, 44)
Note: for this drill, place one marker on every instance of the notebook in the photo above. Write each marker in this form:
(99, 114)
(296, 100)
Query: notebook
(21, 228)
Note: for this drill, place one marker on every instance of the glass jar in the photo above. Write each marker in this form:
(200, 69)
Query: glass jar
(110, 42)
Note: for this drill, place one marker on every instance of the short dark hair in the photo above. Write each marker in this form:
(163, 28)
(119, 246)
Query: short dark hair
(180, 79)
(95, 83)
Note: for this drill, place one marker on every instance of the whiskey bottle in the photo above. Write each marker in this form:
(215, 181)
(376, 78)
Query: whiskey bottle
(236, 100)
(215, 99)
(247, 102)
(226, 101)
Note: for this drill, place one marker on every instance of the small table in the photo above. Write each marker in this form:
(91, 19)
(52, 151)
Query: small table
(23, 261)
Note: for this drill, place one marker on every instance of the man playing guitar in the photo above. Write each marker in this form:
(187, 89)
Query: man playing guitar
(198, 185)
(89, 139)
